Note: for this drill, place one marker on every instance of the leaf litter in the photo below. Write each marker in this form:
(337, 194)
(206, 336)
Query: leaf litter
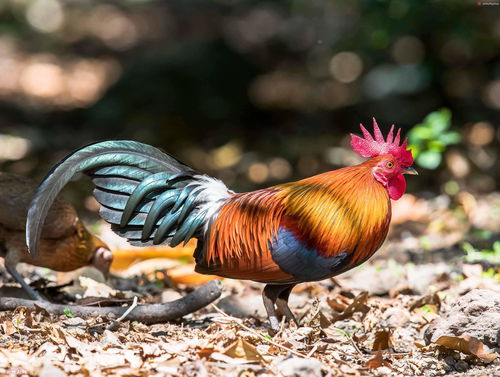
(347, 328)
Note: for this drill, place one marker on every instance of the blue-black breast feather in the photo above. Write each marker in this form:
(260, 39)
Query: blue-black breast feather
(303, 263)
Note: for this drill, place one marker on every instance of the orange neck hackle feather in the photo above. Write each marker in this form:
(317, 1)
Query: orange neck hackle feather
(345, 209)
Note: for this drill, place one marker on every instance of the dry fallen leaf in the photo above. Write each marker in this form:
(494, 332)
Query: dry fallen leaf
(431, 299)
(426, 307)
(357, 305)
(56, 335)
(337, 303)
(472, 270)
(8, 328)
(241, 349)
(323, 321)
(468, 345)
(21, 316)
(427, 313)
(205, 352)
(401, 289)
(382, 341)
(378, 361)
(96, 289)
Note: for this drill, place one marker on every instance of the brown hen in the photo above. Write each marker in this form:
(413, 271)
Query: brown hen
(65, 243)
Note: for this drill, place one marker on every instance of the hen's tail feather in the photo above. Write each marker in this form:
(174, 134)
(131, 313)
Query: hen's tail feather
(147, 195)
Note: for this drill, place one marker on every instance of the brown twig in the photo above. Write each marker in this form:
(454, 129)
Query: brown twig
(149, 314)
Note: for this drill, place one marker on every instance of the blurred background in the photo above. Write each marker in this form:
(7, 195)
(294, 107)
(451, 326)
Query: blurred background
(260, 92)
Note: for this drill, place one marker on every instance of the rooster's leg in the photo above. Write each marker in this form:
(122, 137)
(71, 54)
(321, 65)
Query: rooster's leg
(282, 304)
(271, 295)
(16, 275)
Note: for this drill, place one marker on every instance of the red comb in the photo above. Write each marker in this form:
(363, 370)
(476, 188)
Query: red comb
(371, 147)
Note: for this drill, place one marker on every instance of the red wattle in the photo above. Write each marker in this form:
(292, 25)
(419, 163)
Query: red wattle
(396, 186)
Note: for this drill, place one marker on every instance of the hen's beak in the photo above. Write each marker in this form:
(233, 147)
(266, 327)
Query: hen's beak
(409, 170)
(102, 260)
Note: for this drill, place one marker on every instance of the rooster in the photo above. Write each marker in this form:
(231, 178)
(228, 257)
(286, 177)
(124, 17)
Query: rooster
(295, 232)
(65, 243)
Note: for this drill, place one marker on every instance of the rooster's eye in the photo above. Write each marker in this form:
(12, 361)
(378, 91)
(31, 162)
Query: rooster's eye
(390, 165)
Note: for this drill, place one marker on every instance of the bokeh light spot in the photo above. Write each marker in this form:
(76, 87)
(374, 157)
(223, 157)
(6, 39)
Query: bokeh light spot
(42, 79)
(491, 95)
(408, 50)
(258, 172)
(451, 187)
(481, 133)
(13, 147)
(458, 164)
(113, 27)
(346, 67)
(279, 168)
(45, 16)
(226, 155)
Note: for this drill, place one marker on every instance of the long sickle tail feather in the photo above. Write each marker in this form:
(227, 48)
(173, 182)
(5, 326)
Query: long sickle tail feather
(131, 178)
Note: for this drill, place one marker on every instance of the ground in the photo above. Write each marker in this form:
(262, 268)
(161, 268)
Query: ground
(369, 321)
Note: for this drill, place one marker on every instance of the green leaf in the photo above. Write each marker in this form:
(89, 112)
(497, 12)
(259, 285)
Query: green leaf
(451, 137)
(67, 312)
(429, 159)
(496, 247)
(415, 150)
(426, 309)
(468, 247)
(438, 121)
(490, 273)
(420, 133)
(484, 234)
(425, 242)
(436, 145)
(474, 255)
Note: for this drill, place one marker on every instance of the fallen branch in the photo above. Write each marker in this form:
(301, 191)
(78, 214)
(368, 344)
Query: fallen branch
(149, 314)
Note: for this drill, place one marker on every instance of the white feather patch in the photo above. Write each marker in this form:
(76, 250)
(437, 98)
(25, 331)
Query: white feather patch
(211, 194)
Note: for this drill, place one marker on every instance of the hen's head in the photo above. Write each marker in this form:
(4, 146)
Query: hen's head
(90, 246)
(102, 259)
(391, 160)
